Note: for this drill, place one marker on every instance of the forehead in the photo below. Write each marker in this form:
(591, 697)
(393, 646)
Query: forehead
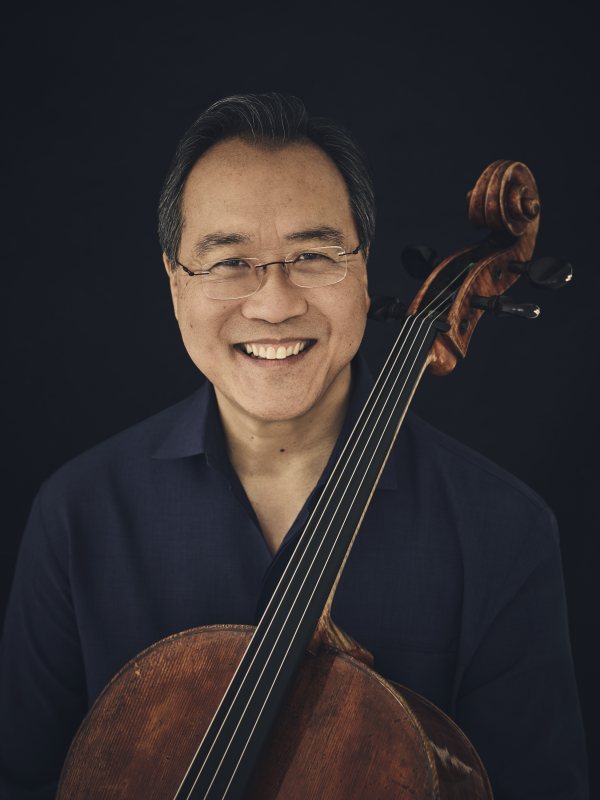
(236, 185)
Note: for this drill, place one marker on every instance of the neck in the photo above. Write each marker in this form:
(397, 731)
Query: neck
(280, 461)
(268, 447)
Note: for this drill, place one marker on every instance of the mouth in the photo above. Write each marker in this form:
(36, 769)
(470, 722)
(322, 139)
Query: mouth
(272, 352)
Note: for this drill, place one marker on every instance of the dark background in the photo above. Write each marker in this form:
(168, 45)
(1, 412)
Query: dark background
(96, 98)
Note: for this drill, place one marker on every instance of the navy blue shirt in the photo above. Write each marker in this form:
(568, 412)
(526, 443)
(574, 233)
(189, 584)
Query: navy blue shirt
(454, 584)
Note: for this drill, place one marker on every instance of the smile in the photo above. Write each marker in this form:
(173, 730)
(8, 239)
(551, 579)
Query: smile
(270, 352)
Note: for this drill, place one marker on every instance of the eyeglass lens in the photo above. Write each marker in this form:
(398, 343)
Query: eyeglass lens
(234, 278)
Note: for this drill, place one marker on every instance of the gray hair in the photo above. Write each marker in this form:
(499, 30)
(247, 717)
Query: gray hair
(270, 120)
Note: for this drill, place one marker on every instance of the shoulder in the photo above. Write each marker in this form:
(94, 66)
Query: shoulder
(500, 531)
(489, 508)
(123, 458)
(459, 463)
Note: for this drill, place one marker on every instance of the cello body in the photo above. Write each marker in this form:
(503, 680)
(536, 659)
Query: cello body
(345, 732)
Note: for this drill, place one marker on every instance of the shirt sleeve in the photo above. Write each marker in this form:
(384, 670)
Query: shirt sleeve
(43, 696)
(518, 701)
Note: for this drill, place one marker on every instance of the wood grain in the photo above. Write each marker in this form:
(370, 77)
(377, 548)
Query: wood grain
(505, 200)
(345, 732)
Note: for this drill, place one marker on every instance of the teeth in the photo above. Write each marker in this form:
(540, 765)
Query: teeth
(271, 353)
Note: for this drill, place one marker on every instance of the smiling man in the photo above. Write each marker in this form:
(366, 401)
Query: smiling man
(454, 583)
(275, 341)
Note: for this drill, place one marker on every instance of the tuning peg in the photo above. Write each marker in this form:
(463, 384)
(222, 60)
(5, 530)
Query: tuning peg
(501, 305)
(544, 273)
(386, 309)
(419, 261)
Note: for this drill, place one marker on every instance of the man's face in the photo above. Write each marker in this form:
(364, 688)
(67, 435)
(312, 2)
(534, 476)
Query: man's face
(271, 203)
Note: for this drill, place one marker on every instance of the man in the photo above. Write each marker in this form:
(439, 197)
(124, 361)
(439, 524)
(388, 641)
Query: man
(454, 583)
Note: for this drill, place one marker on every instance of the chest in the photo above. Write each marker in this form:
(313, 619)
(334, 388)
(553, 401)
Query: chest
(196, 558)
(277, 501)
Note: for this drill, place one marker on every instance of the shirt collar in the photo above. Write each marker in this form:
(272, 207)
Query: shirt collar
(191, 434)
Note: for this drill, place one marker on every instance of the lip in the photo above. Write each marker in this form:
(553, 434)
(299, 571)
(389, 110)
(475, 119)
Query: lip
(276, 342)
(279, 362)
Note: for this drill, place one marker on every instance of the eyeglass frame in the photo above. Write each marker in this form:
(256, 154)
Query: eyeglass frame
(264, 268)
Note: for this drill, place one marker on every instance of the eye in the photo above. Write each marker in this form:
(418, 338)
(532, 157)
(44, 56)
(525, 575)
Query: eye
(315, 258)
(230, 265)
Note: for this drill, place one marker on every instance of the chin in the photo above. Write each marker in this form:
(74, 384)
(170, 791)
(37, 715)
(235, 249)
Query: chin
(272, 396)
(274, 410)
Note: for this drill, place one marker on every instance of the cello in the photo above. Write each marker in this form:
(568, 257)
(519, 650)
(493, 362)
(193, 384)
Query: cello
(294, 708)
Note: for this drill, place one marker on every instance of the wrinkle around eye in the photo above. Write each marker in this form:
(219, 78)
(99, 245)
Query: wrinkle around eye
(227, 262)
(225, 267)
(309, 256)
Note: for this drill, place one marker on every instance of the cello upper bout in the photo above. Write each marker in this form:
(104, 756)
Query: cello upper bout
(141, 734)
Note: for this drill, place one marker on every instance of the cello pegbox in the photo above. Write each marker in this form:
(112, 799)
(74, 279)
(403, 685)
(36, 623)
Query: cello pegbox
(505, 200)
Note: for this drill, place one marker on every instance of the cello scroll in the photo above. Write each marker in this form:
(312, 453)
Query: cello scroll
(505, 200)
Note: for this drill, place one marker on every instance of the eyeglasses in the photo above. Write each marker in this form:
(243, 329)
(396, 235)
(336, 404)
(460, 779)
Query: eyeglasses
(234, 278)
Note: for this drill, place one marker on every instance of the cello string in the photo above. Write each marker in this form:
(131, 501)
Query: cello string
(264, 641)
(289, 566)
(330, 553)
(296, 598)
(420, 317)
(255, 687)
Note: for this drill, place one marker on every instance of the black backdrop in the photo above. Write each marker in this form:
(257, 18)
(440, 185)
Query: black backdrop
(96, 99)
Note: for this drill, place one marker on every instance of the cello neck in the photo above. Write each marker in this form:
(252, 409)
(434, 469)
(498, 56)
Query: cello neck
(233, 745)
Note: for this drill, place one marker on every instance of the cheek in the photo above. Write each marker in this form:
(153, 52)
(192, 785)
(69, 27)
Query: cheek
(348, 313)
(199, 323)
(203, 324)
(190, 317)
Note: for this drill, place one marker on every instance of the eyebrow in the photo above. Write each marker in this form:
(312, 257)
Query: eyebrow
(324, 234)
(213, 240)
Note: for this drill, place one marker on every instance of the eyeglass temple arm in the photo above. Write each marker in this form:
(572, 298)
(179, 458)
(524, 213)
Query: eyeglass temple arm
(189, 271)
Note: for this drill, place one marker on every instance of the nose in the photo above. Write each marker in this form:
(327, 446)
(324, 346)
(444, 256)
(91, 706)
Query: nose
(277, 299)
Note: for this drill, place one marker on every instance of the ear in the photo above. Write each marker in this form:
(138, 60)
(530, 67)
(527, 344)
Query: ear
(366, 278)
(173, 275)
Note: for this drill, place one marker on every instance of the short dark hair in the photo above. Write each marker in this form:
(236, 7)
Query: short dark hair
(271, 120)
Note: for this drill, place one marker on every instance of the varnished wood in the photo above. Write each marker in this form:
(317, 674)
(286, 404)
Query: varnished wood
(126, 747)
(505, 200)
(328, 634)
(490, 208)
(456, 760)
(326, 743)
(441, 358)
